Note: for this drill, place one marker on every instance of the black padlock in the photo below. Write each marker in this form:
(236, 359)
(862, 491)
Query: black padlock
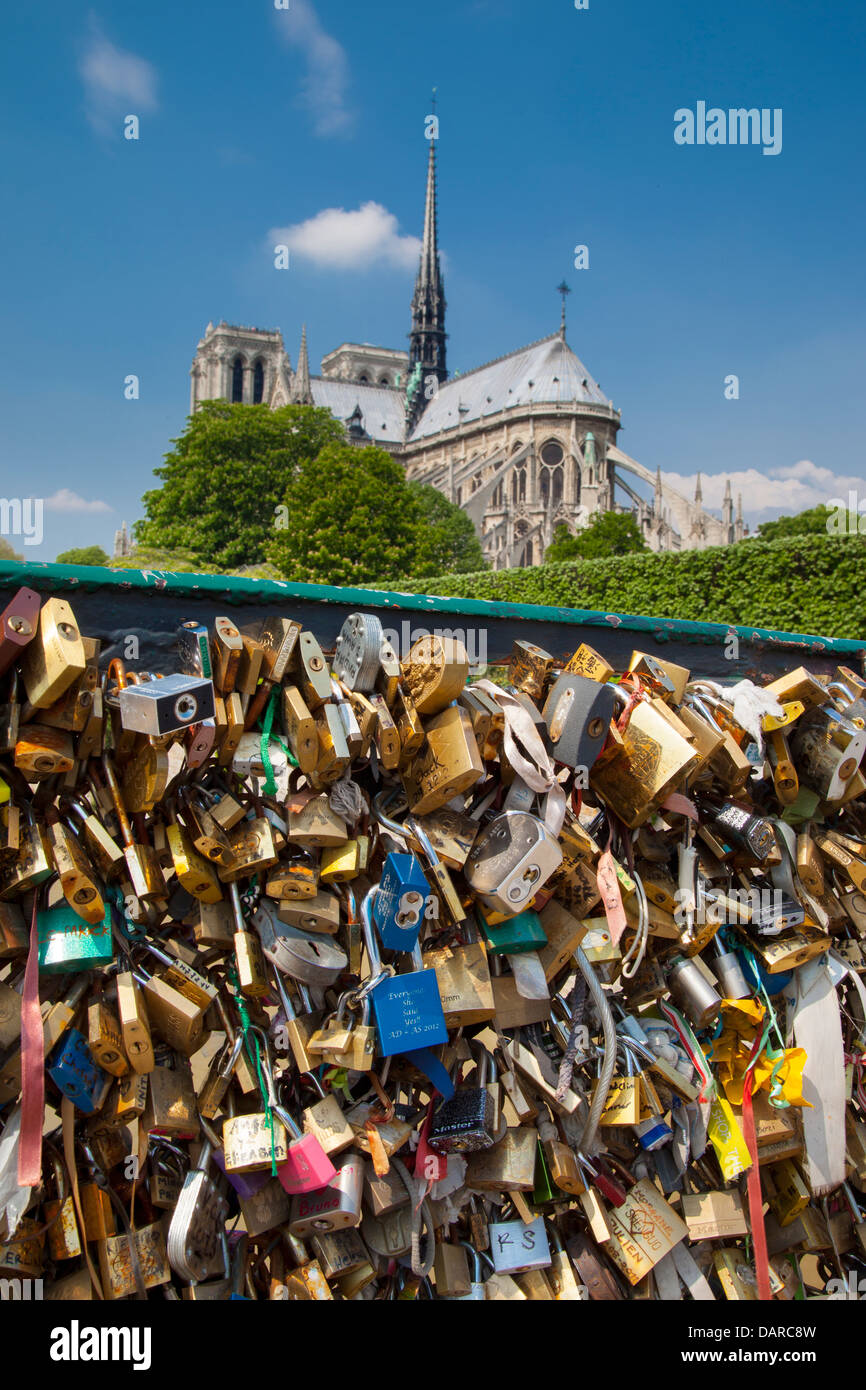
(468, 1120)
(577, 714)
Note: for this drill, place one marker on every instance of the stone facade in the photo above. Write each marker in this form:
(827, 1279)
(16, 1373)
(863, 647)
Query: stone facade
(522, 443)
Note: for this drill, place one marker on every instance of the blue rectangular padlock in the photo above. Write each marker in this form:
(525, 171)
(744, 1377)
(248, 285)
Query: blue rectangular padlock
(401, 902)
(68, 943)
(408, 1013)
(407, 1008)
(74, 1072)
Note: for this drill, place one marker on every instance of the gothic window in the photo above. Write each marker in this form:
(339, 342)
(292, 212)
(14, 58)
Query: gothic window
(497, 495)
(518, 484)
(364, 378)
(258, 383)
(383, 381)
(550, 474)
(237, 380)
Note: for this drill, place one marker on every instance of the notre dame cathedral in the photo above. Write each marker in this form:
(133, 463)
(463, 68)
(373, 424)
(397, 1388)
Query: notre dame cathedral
(522, 443)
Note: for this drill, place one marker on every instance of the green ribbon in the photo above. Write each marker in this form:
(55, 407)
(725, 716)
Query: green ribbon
(270, 787)
(339, 1079)
(254, 1052)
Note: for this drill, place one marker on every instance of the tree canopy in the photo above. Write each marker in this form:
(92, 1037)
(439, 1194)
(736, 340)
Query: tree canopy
(83, 555)
(609, 533)
(225, 478)
(812, 522)
(349, 517)
(447, 540)
(282, 492)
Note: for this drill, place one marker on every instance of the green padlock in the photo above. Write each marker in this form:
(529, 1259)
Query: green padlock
(67, 943)
(515, 935)
(544, 1188)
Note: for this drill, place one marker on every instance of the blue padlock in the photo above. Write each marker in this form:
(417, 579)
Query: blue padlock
(401, 902)
(75, 1073)
(407, 1008)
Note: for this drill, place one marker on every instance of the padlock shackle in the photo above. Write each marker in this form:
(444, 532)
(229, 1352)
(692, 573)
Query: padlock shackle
(369, 933)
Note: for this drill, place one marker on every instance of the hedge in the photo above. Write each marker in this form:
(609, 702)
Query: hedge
(806, 583)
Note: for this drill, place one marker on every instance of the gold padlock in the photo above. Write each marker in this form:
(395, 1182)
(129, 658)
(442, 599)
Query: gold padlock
(55, 657)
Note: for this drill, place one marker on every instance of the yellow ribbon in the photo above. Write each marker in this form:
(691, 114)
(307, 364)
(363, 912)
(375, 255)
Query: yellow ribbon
(742, 1020)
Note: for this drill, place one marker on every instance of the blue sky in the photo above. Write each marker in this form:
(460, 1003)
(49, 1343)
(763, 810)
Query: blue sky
(557, 129)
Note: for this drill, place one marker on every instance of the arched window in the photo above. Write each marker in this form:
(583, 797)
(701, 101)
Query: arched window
(383, 381)
(258, 383)
(518, 484)
(237, 380)
(550, 474)
(364, 378)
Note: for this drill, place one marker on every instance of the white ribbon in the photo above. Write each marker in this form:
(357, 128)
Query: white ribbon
(537, 769)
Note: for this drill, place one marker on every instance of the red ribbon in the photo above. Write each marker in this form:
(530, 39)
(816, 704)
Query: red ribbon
(428, 1164)
(32, 1068)
(608, 889)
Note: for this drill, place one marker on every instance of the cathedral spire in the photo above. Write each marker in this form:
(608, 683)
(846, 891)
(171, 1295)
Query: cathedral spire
(427, 336)
(302, 394)
(699, 493)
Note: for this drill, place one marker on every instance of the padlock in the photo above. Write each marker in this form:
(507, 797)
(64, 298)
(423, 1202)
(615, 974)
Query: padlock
(333, 1207)
(407, 1008)
(118, 1268)
(468, 1120)
(54, 657)
(577, 715)
(512, 858)
(167, 705)
(66, 944)
(449, 762)
(401, 902)
(75, 1073)
(435, 672)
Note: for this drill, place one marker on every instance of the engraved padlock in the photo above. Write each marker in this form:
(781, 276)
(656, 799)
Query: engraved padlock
(468, 1120)
(332, 1208)
(512, 858)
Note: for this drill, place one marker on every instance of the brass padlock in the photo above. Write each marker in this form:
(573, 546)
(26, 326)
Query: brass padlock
(55, 657)
(435, 672)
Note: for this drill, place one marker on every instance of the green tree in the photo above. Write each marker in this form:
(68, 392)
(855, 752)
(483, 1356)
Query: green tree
(447, 540)
(83, 555)
(609, 533)
(6, 551)
(349, 519)
(812, 522)
(225, 478)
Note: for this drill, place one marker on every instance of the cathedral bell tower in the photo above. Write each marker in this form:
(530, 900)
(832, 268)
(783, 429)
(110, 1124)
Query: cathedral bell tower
(427, 336)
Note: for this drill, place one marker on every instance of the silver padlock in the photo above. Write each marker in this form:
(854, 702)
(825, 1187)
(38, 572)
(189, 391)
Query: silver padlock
(331, 1208)
(827, 749)
(511, 859)
(315, 960)
(356, 658)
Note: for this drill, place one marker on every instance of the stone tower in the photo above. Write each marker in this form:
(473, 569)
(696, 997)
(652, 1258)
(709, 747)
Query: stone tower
(427, 335)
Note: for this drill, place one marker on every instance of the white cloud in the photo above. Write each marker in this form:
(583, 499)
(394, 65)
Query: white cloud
(323, 91)
(785, 490)
(67, 501)
(342, 240)
(116, 83)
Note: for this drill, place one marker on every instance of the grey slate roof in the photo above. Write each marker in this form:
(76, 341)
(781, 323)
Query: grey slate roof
(381, 406)
(544, 371)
